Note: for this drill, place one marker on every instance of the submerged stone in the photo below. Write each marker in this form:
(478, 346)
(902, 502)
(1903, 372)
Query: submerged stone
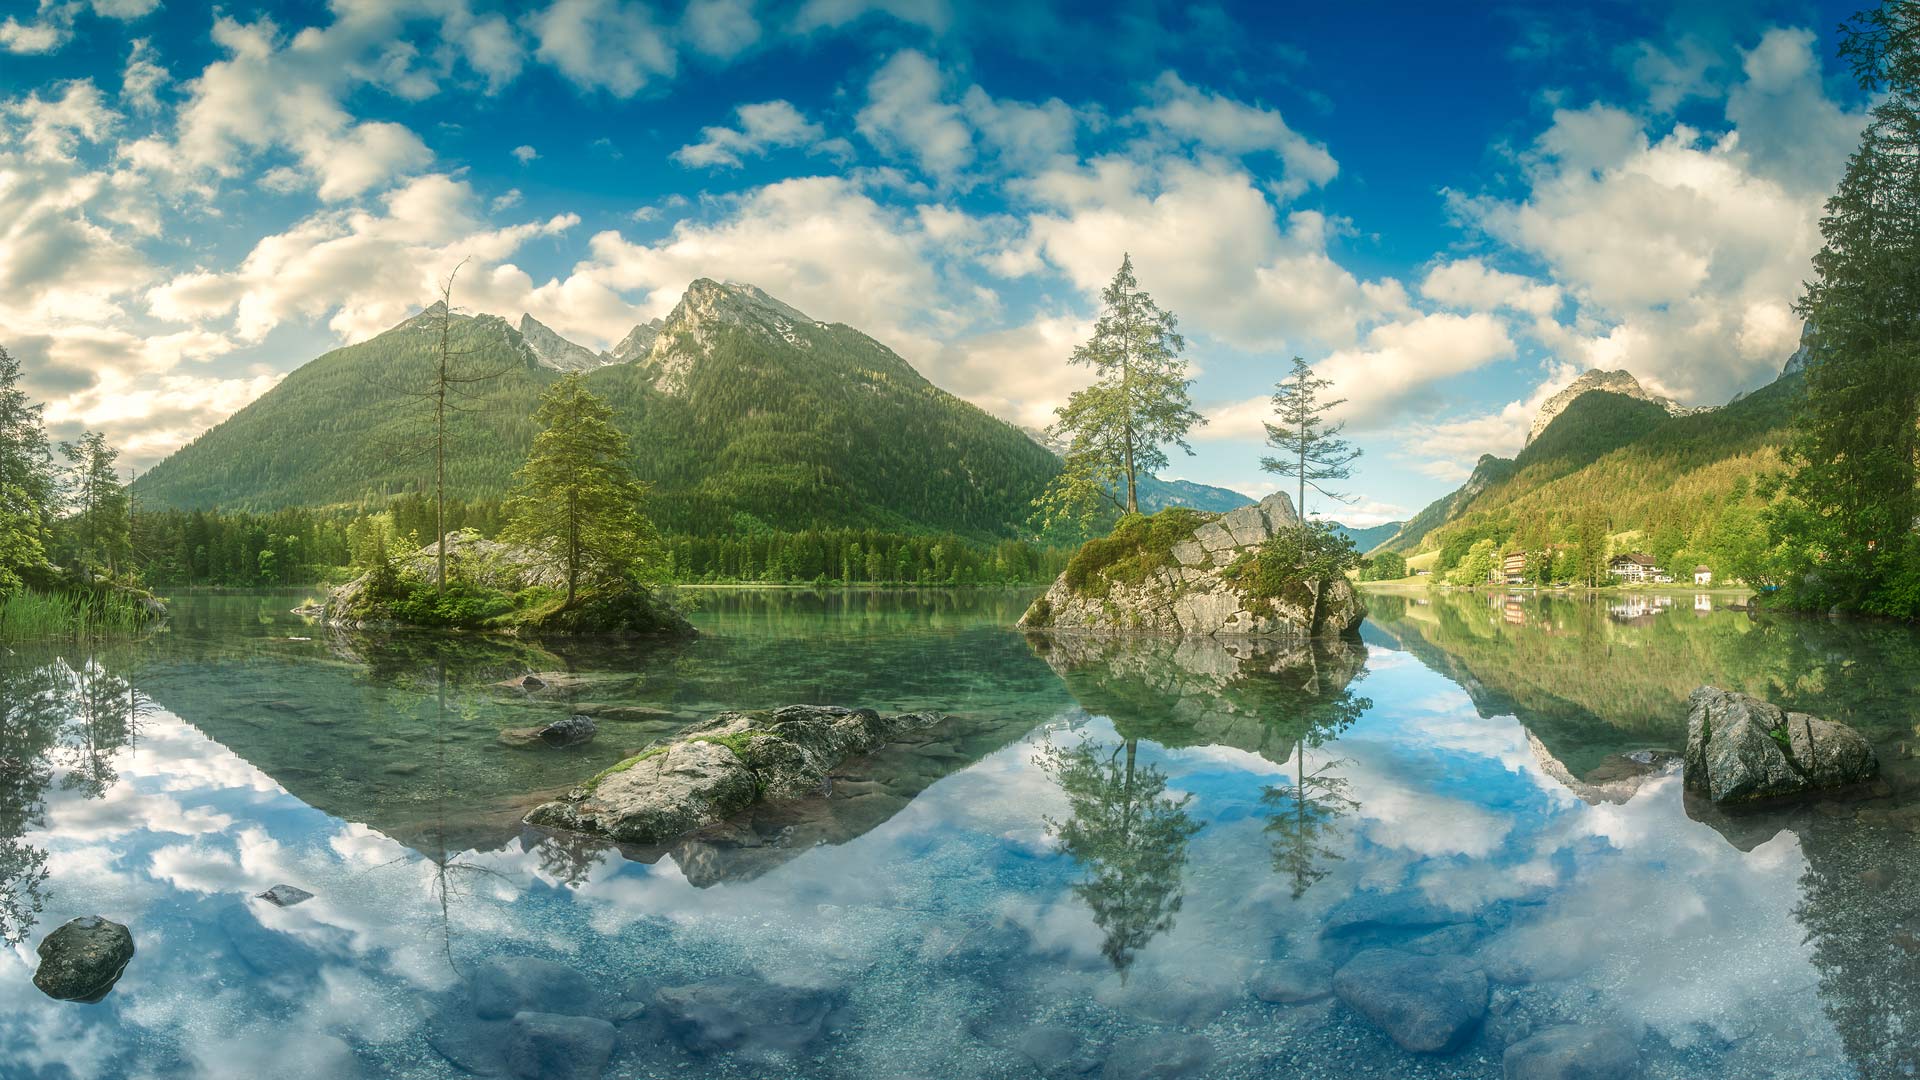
(506, 986)
(1293, 982)
(1425, 1004)
(1575, 1052)
(285, 896)
(546, 1046)
(575, 730)
(82, 960)
(737, 1012)
(1158, 1057)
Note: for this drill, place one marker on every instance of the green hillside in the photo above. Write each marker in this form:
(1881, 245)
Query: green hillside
(1651, 472)
(742, 407)
(1365, 540)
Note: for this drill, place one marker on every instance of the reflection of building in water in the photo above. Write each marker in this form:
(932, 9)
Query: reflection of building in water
(1702, 602)
(1515, 611)
(1633, 608)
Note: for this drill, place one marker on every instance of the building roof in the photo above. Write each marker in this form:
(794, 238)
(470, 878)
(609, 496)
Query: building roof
(1635, 557)
(1703, 569)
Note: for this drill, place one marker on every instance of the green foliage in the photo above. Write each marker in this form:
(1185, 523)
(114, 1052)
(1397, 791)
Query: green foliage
(576, 497)
(1386, 566)
(1308, 448)
(462, 605)
(1296, 564)
(835, 431)
(1118, 429)
(72, 615)
(1476, 566)
(1138, 546)
(95, 532)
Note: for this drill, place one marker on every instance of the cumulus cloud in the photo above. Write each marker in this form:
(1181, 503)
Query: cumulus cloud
(828, 14)
(721, 29)
(610, 45)
(1187, 113)
(1398, 358)
(762, 127)
(525, 154)
(907, 116)
(143, 77)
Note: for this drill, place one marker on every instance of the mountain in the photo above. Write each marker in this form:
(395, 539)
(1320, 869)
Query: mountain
(552, 350)
(1615, 382)
(1648, 466)
(1365, 540)
(743, 413)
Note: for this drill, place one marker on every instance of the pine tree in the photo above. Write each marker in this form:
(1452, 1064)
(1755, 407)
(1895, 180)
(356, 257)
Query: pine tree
(1309, 448)
(1138, 405)
(26, 480)
(1856, 446)
(97, 501)
(576, 496)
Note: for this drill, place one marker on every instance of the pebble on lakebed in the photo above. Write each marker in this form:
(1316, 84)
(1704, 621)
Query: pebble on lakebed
(82, 960)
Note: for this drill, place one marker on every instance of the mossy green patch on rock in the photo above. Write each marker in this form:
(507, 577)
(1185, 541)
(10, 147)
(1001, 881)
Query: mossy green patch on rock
(1139, 545)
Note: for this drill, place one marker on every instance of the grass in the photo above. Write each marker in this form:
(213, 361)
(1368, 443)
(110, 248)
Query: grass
(1138, 546)
(623, 766)
(37, 616)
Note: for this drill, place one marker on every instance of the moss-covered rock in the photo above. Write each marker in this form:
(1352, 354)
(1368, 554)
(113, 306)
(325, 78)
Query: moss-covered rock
(1186, 572)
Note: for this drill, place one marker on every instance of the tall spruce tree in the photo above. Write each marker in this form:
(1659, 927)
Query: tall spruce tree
(26, 480)
(96, 501)
(1856, 444)
(1138, 405)
(576, 497)
(1309, 448)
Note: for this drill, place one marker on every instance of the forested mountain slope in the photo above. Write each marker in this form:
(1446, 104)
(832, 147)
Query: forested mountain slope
(1648, 470)
(740, 409)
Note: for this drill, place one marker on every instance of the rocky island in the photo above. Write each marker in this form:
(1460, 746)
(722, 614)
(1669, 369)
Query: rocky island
(1191, 573)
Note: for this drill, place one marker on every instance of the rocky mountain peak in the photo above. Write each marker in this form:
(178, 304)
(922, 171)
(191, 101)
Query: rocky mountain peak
(1613, 382)
(708, 306)
(552, 350)
(638, 342)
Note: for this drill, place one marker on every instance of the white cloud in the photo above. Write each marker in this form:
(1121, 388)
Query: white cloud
(828, 14)
(143, 77)
(762, 127)
(721, 28)
(525, 154)
(1472, 284)
(609, 45)
(1219, 123)
(907, 115)
(1399, 358)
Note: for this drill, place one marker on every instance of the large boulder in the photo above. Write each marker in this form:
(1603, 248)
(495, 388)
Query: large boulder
(1741, 749)
(1188, 585)
(82, 960)
(576, 730)
(741, 1013)
(546, 1046)
(718, 769)
(1426, 1004)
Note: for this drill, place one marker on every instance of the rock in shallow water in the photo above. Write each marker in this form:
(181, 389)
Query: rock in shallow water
(575, 730)
(285, 896)
(1575, 1052)
(736, 1012)
(545, 1046)
(1426, 1004)
(1741, 749)
(507, 986)
(82, 960)
(1293, 982)
(1158, 1057)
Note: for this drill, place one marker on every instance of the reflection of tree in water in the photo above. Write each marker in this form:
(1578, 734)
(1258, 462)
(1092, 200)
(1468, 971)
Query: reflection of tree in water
(1860, 907)
(52, 714)
(1304, 815)
(1129, 836)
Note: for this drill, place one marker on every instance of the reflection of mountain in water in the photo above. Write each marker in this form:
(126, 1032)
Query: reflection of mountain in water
(1590, 685)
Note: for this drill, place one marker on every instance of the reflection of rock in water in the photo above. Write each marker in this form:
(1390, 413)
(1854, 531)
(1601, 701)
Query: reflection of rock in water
(1263, 696)
(1617, 779)
(864, 794)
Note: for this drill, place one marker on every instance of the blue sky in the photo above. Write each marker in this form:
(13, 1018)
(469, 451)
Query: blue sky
(1449, 212)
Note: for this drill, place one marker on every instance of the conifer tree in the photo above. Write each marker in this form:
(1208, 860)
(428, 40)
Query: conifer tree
(1856, 446)
(26, 479)
(1309, 449)
(576, 497)
(97, 501)
(1138, 405)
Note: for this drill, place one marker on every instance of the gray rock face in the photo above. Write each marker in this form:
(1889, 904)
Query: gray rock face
(82, 960)
(717, 769)
(1742, 749)
(1575, 1052)
(735, 1012)
(545, 1046)
(1193, 597)
(575, 730)
(1616, 382)
(556, 352)
(1425, 1004)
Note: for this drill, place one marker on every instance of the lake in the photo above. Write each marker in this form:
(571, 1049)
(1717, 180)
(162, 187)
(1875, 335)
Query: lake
(1123, 859)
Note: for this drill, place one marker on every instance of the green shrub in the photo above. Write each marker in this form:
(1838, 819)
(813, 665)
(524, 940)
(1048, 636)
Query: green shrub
(1138, 546)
